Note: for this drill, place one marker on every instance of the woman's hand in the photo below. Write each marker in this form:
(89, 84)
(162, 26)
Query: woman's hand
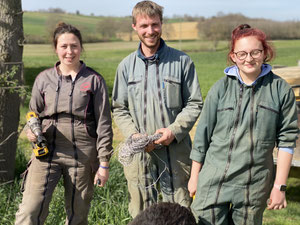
(192, 185)
(101, 176)
(193, 181)
(31, 136)
(277, 199)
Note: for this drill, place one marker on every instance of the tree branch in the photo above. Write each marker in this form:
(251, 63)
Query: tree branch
(9, 136)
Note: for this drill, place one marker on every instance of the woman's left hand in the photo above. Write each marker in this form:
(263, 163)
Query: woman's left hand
(277, 199)
(101, 177)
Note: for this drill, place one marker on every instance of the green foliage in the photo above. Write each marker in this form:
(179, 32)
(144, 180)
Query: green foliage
(110, 203)
(8, 81)
(9, 198)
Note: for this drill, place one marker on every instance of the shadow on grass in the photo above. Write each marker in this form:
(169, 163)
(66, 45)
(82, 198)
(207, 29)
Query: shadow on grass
(30, 74)
(293, 191)
(21, 163)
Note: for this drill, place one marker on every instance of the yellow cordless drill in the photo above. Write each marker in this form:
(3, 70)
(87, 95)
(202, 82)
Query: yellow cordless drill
(40, 145)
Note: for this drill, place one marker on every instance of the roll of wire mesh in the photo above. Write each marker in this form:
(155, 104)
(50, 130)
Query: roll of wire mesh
(134, 145)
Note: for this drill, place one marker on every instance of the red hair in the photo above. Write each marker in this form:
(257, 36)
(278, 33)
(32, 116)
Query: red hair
(244, 30)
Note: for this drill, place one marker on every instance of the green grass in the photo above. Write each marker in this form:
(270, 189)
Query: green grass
(110, 203)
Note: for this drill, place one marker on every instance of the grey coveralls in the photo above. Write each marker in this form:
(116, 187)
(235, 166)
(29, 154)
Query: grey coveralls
(150, 94)
(235, 137)
(76, 122)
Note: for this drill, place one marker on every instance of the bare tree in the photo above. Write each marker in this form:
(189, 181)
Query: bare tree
(11, 50)
(50, 26)
(219, 27)
(56, 10)
(107, 27)
(124, 25)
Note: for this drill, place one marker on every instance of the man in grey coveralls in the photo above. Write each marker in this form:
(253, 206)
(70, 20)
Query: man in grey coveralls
(156, 90)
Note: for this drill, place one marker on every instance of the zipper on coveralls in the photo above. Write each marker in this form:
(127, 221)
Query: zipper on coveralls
(45, 186)
(75, 151)
(147, 200)
(247, 204)
(241, 91)
(72, 118)
(145, 97)
(164, 125)
(159, 93)
(57, 90)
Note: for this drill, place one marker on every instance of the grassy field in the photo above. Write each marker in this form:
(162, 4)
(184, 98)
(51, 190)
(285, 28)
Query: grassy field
(109, 206)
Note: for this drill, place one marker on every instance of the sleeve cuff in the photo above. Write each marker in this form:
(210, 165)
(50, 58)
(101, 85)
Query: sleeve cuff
(288, 150)
(197, 156)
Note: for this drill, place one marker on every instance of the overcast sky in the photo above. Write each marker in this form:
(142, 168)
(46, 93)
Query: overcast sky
(280, 10)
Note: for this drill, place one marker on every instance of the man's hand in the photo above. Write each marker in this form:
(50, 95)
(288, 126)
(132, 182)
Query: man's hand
(167, 136)
(149, 147)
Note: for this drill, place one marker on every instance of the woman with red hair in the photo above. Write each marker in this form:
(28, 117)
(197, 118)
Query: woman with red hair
(246, 114)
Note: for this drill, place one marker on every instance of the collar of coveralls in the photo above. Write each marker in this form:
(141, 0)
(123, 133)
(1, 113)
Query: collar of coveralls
(156, 55)
(234, 71)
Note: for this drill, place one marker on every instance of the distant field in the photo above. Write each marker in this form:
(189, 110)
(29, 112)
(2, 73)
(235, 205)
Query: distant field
(38, 25)
(109, 206)
(36, 21)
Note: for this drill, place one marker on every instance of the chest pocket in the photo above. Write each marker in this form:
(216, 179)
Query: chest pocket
(135, 93)
(49, 98)
(81, 99)
(224, 120)
(267, 118)
(172, 92)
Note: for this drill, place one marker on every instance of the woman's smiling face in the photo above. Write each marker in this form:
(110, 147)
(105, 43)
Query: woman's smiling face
(250, 67)
(68, 49)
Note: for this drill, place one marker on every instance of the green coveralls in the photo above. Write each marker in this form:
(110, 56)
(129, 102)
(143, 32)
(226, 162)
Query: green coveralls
(234, 140)
(150, 94)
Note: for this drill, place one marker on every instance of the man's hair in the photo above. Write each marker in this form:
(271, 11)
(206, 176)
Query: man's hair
(148, 8)
(164, 213)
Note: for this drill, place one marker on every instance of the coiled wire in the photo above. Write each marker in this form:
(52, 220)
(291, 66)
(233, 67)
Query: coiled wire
(133, 146)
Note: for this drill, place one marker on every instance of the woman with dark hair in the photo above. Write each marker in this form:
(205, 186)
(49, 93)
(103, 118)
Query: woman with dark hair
(246, 114)
(72, 103)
